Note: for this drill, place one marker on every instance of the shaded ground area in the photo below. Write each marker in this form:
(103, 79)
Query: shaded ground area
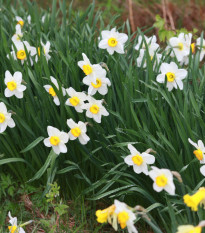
(182, 13)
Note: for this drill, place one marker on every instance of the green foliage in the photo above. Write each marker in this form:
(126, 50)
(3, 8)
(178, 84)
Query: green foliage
(141, 112)
(165, 34)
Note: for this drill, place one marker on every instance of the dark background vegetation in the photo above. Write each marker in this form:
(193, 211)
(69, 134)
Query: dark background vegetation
(188, 14)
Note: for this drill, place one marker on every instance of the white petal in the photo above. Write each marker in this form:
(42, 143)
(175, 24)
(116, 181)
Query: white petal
(18, 77)
(161, 78)
(132, 150)
(62, 147)
(103, 44)
(170, 188)
(56, 100)
(8, 77)
(56, 149)
(202, 170)
(157, 188)
(149, 159)
(71, 123)
(193, 143)
(18, 94)
(21, 88)
(46, 142)
(64, 137)
(3, 107)
(11, 123)
(8, 93)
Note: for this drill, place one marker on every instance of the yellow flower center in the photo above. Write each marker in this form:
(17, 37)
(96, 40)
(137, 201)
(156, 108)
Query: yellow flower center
(12, 229)
(137, 159)
(52, 92)
(112, 42)
(170, 76)
(104, 215)
(2, 117)
(21, 22)
(94, 109)
(198, 154)
(76, 132)
(196, 230)
(161, 181)
(180, 46)
(54, 140)
(98, 83)
(39, 51)
(21, 54)
(194, 200)
(87, 69)
(74, 100)
(193, 46)
(122, 219)
(12, 85)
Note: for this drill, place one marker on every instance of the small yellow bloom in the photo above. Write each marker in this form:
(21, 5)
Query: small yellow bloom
(2, 117)
(189, 229)
(74, 100)
(112, 42)
(94, 109)
(199, 154)
(193, 47)
(161, 180)
(104, 215)
(196, 199)
(12, 229)
(137, 159)
(21, 22)
(21, 54)
(51, 91)
(123, 217)
(76, 132)
(170, 76)
(98, 83)
(87, 69)
(54, 140)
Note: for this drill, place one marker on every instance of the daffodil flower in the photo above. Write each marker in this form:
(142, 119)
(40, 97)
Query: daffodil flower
(139, 160)
(91, 71)
(101, 84)
(95, 109)
(14, 228)
(13, 84)
(153, 55)
(56, 140)
(163, 179)
(19, 20)
(201, 45)
(180, 46)
(195, 200)
(173, 75)
(200, 152)
(189, 229)
(76, 99)
(113, 41)
(44, 49)
(150, 41)
(5, 118)
(78, 130)
(16, 38)
(21, 52)
(52, 92)
(125, 216)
